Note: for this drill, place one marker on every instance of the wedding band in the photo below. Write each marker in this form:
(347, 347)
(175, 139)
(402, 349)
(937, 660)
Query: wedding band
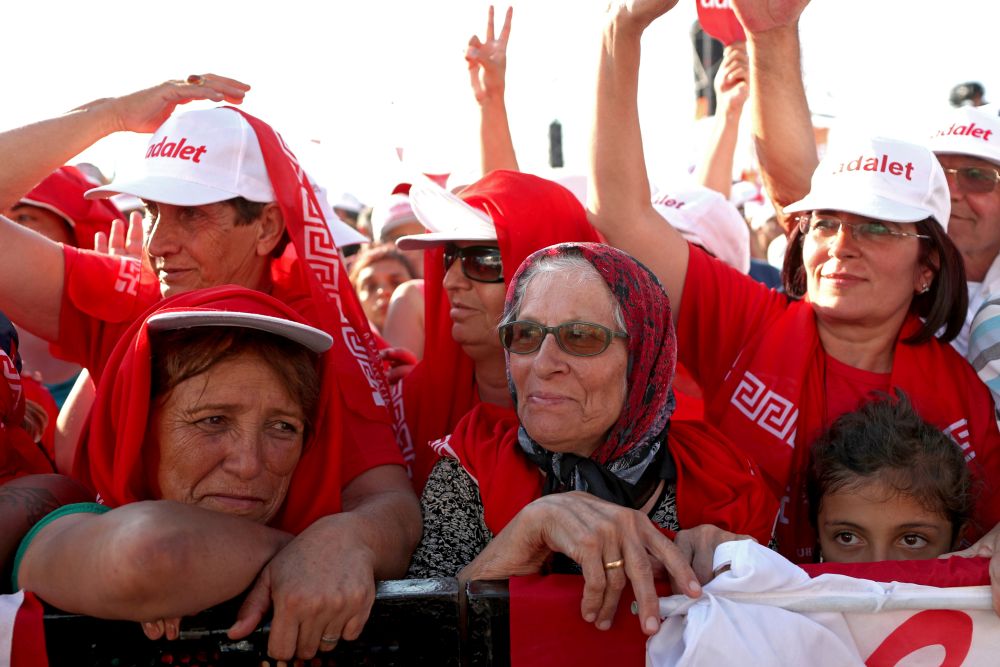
(614, 565)
(329, 639)
(196, 79)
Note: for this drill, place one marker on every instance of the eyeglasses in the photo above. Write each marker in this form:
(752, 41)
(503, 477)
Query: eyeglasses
(479, 262)
(824, 227)
(975, 180)
(581, 339)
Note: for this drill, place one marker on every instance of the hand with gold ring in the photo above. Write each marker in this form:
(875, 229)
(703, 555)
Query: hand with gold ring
(328, 643)
(613, 545)
(145, 110)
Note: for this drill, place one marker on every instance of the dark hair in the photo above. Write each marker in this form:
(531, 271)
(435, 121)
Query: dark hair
(970, 92)
(944, 305)
(181, 354)
(376, 254)
(247, 211)
(886, 440)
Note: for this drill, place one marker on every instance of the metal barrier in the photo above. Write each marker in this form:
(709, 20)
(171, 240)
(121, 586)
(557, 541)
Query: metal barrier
(413, 622)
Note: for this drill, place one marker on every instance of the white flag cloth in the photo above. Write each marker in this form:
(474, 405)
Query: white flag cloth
(764, 610)
(9, 604)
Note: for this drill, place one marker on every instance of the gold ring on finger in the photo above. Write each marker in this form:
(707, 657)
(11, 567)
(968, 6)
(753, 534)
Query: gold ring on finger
(614, 565)
(196, 79)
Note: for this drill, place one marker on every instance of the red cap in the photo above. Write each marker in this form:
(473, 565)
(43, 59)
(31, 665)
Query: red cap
(62, 193)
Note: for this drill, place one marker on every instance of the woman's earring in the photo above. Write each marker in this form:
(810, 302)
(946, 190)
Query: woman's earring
(925, 289)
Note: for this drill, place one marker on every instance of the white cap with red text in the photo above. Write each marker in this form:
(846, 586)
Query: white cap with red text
(968, 131)
(704, 217)
(196, 158)
(882, 179)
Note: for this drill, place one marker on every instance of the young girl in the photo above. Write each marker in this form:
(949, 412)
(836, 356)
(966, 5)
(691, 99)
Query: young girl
(886, 485)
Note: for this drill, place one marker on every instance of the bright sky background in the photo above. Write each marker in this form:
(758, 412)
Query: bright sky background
(347, 82)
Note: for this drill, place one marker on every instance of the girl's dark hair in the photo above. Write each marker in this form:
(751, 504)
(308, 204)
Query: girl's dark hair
(180, 354)
(886, 440)
(943, 306)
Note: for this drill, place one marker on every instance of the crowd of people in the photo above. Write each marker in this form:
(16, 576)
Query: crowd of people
(247, 387)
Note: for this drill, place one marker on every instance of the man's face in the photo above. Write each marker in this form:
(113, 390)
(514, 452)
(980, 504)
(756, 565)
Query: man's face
(192, 247)
(975, 218)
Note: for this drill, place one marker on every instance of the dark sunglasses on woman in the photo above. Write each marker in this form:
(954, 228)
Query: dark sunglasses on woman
(479, 262)
(581, 339)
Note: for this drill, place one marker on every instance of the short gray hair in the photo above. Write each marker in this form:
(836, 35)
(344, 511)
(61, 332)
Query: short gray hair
(571, 263)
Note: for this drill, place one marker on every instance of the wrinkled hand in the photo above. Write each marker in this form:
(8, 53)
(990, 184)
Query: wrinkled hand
(321, 585)
(164, 627)
(987, 546)
(732, 80)
(639, 13)
(145, 110)
(759, 16)
(488, 60)
(698, 544)
(592, 532)
(122, 242)
(398, 361)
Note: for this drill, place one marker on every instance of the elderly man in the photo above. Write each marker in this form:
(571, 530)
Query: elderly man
(225, 198)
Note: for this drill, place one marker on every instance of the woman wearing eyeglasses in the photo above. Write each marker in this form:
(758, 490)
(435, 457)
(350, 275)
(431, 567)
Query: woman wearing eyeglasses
(590, 463)
(476, 241)
(871, 274)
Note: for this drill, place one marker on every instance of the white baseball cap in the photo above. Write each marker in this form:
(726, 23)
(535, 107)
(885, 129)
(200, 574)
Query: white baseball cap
(309, 337)
(446, 216)
(196, 158)
(968, 131)
(884, 179)
(706, 218)
(343, 234)
(390, 214)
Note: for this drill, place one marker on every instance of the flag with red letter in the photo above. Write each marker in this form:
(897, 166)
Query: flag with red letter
(718, 20)
(22, 636)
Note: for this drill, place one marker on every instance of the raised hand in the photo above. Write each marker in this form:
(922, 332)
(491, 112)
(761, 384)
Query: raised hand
(762, 15)
(732, 84)
(122, 241)
(145, 110)
(488, 60)
(639, 13)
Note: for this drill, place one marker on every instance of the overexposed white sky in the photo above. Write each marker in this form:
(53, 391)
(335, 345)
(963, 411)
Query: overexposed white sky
(347, 82)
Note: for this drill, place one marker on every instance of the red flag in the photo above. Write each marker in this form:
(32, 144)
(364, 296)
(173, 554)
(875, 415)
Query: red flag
(22, 633)
(718, 20)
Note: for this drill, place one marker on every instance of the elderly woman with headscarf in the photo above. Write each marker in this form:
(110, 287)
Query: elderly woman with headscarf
(591, 465)
(212, 461)
(477, 241)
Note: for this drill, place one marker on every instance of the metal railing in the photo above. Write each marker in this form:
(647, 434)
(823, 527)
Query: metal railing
(413, 622)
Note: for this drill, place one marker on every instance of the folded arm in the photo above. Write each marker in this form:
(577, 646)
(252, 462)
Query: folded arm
(146, 560)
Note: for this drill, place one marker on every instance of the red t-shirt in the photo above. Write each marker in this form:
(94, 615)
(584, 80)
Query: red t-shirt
(771, 388)
(847, 388)
(103, 295)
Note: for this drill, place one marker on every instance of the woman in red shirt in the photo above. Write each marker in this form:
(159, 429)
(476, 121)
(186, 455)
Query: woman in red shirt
(871, 277)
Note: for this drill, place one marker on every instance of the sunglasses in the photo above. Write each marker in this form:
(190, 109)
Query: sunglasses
(975, 180)
(824, 228)
(479, 262)
(581, 339)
